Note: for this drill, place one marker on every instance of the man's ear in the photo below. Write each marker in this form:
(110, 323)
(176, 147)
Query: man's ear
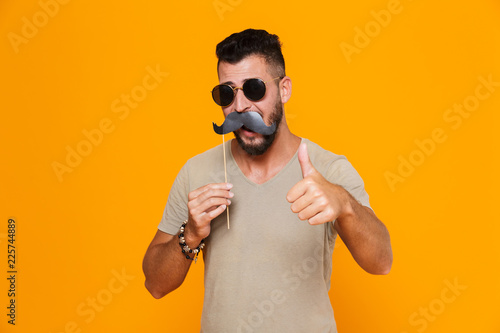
(285, 89)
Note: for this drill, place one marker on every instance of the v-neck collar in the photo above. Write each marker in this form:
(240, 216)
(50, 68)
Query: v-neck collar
(287, 165)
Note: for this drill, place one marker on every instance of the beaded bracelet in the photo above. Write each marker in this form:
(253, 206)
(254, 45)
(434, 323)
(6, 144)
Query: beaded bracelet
(185, 248)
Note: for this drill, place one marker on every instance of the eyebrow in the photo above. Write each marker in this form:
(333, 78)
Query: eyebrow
(231, 83)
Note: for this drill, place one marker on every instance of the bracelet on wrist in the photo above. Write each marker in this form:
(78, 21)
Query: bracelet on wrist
(185, 248)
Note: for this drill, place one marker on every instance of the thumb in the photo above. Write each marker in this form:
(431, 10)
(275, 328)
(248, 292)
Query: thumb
(305, 162)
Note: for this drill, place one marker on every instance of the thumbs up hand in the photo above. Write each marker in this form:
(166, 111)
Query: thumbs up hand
(314, 198)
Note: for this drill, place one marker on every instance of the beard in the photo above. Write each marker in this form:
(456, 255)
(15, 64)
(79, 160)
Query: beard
(258, 148)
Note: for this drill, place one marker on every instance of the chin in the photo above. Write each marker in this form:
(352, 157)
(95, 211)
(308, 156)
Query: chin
(254, 146)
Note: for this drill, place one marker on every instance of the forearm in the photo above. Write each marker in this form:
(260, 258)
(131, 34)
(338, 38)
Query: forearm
(365, 236)
(165, 267)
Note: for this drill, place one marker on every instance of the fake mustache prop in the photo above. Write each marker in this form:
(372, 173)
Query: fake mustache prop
(251, 120)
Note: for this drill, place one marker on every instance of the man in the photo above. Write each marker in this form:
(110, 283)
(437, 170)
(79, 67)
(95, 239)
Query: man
(270, 272)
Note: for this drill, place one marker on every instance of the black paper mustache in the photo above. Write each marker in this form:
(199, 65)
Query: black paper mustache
(251, 120)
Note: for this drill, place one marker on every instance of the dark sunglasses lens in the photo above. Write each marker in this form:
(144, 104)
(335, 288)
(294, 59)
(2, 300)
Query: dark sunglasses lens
(223, 95)
(254, 89)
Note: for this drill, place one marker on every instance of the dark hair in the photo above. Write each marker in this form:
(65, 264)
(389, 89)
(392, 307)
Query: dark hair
(240, 45)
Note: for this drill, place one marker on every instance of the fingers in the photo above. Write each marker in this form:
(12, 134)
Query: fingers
(209, 201)
(218, 186)
(305, 163)
(211, 194)
(207, 206)
(216, 212)
(309, 174)
(321, 217)
(315, 212)
(300, 204)
(309, 204)
(297, 190)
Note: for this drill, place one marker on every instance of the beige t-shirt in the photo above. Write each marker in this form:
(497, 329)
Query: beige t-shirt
(270, 272)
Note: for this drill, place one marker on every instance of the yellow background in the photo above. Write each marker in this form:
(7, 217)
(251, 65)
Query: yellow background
(76, 233)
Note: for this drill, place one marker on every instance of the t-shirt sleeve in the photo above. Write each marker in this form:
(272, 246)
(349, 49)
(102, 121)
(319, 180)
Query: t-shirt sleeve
(176, 210)
(341, 172)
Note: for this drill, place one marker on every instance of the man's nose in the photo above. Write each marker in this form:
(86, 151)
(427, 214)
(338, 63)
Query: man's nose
(241, 102)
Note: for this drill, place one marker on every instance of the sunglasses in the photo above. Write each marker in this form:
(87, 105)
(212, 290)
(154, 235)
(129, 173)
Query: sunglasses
(254, 90)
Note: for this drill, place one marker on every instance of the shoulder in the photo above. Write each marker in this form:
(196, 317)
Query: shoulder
(204, 168)
(322, 159)
(334, 167)
(213, 155)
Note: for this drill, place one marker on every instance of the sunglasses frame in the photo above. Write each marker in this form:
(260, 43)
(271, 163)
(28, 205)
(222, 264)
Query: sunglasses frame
(234, 89)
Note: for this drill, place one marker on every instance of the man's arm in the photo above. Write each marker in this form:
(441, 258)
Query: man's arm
(317, 200)
(365, 236)
(164, 265)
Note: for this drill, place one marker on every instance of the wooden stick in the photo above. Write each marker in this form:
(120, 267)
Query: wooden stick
(225, 176)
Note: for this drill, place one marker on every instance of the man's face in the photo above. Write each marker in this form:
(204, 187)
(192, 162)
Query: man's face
(270, 107)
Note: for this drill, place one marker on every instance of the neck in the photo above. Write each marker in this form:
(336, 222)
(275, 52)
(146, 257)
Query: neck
(261, 168)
